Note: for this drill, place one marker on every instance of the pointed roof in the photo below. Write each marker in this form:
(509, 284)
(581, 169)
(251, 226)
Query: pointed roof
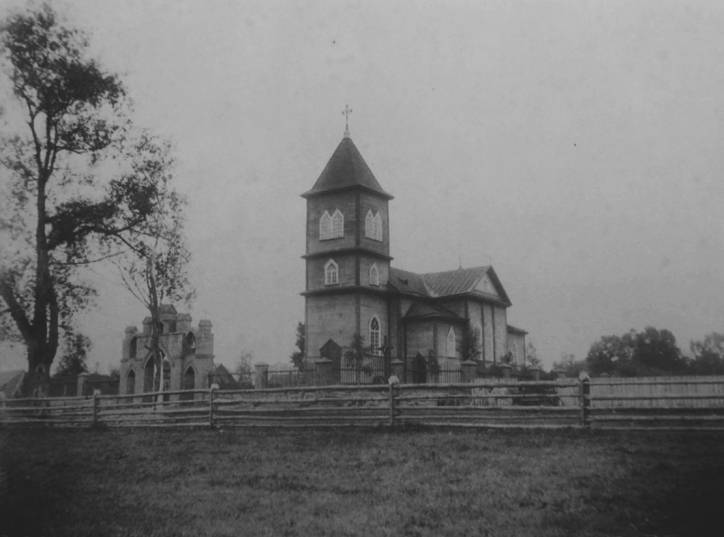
(346, 169)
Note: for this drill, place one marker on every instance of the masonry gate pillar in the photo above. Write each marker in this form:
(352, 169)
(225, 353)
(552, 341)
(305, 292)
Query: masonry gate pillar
(468, 370)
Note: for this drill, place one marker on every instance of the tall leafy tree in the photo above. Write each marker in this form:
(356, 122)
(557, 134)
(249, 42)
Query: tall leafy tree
(156, 271)
(68, 195)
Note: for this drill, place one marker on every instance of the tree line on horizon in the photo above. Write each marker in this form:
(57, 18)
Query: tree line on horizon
(649, 352)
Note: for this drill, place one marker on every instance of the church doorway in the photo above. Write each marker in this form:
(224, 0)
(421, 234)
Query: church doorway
(188, 383)
(148, 376)
(148, 380)
(131, 382)
(419, 369)
(332, 351)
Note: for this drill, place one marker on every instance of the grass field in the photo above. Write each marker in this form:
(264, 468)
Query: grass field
(366, 483)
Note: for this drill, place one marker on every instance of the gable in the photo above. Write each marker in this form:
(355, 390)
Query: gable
(485, 285)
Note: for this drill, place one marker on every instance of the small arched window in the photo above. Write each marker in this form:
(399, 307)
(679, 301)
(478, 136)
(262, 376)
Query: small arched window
(133, 348)
(374, 275)
(331, 273)
(325, 226)
(374, 335)
(450, 343)
(337, 225)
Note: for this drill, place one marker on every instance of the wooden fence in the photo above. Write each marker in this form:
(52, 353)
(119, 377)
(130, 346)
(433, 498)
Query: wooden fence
(667, 402)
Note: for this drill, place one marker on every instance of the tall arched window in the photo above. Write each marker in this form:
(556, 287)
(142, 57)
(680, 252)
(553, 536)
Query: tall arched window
(450, 343)
(337, 225)
(375, 335)
(331, 273)
(374, 275)
(133, 348)
(325, 226)
(378, 227)
(373, 225)
(370, 225)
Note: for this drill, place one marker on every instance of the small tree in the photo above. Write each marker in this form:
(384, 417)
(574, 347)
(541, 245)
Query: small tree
(531, 356)
(297, 357)
(433, 365)
(470, 344)
(245, 369)
(355, 356)
(73, 360)
(708, 355)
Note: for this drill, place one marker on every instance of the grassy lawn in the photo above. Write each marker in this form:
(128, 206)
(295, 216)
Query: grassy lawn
(366, 483)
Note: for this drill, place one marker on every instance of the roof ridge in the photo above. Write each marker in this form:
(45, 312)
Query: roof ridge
(479, 267)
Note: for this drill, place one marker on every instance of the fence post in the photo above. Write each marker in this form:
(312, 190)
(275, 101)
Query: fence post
(211, 406)
(392, 404)
(94, 422)
(585, 394)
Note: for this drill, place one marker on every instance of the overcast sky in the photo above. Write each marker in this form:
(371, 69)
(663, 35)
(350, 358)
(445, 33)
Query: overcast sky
(576, 146)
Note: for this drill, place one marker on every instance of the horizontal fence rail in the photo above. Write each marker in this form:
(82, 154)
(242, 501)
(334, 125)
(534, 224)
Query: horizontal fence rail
(659, 402)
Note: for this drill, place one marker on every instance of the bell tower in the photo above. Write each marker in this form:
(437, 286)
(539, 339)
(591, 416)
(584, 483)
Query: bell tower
(347, 254)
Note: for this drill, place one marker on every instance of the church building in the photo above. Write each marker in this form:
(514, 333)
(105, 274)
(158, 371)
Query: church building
(353, 289)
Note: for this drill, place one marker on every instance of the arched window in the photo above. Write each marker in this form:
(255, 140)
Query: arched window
(337, 225)
(325, 226)
(370, 225)
(378, 227)
(331, 273)
(373, 225)
(374, 335)
(133, 350)
(450, 344)
(131, 382)
(374, 275)
(189, 343)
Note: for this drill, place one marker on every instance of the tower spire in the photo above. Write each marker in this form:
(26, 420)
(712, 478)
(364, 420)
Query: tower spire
(346, 112)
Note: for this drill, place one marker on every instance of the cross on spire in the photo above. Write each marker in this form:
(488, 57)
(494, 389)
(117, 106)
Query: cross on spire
(346, 112)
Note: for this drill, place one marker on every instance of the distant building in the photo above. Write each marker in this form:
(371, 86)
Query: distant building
(223, 379)
(188, 354)
(352, 288)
